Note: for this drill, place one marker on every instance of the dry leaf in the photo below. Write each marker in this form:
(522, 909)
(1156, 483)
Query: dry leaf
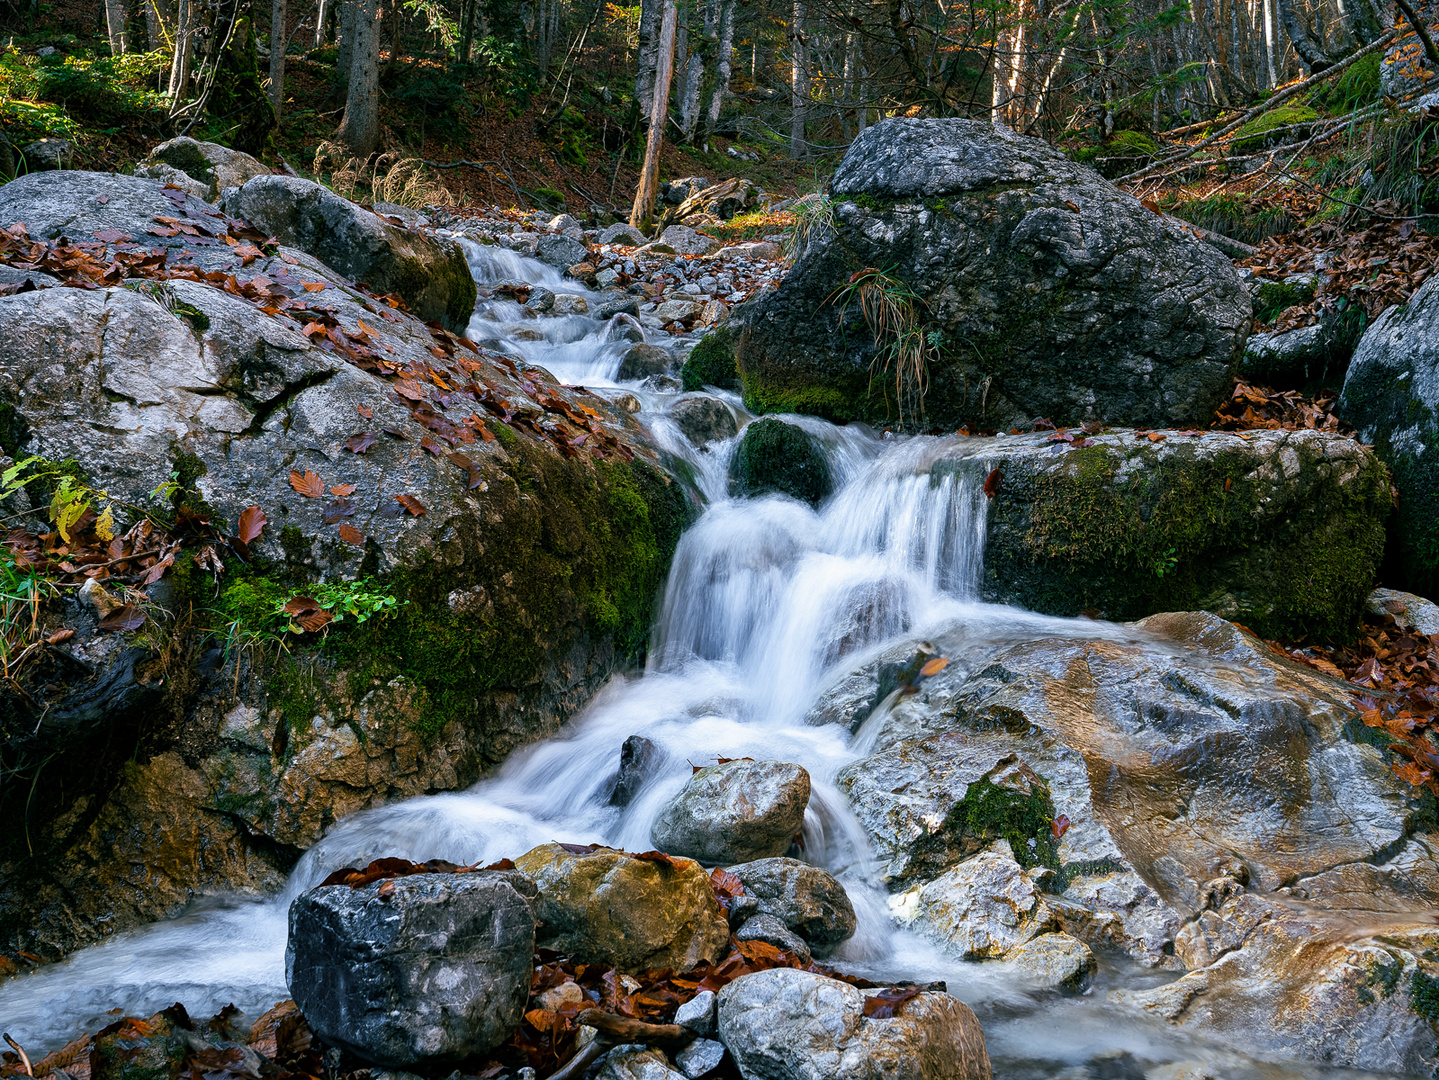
(307, 484)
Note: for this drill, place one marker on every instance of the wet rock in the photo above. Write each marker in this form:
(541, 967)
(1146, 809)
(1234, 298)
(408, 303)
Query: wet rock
(685, 241)
(638, 759)
(1391, 395)
(1077, 302)
(561, 252)
(768, 929)
(704, 419)
(433, 970)
(622, 233)
(541, 300)
(1281, 531)
(1056, 961)
(211, 165)
(641, 361)
(619, 305)
(807, 899)
(698, 1013)
(1409, 612)
(608, 907)
(570, 304)
(775, 456)
(634, 1061)
(679, 311)
(700, 1058)
(735, 812)
(711, 363)
(429, 272)
(983, 908)
(794, 1025)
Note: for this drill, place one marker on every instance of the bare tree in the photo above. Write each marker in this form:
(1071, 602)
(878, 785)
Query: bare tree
(278, 40)
(359, 129)
(799, 81)
(642, 213)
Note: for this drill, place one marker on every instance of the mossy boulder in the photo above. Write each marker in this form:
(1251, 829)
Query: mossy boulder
(1280, 531)
(711, 363)
(1255, 135)
(776, 456)
(1391, 395)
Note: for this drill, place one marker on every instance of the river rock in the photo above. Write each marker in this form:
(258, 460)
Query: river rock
(608, 907)
(1054, 961)
(1294, 358)
(1391, 395)
(430, 273)
(428, 969)
(1052, 293)
(639, 758)
(735, 812)
(768, 929)
(1409, 612)
(704, 419)
(711, 362)
(642, 360)
(807, 899)
(622, 233)
(561, 252)
(698, 1013)
(700, 1058)
(634, 1061)
(493, 648)
(775, 456)
(1281, 531)
(983, 908)
(211, 165)
(785, 1024)
(685, 241)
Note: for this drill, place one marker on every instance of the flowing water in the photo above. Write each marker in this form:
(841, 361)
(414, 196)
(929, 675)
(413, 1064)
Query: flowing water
(767, 603)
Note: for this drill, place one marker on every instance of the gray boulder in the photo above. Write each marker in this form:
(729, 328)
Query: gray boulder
(785, 1024)
(983, 908)
(1051, 292)
(704, 418)
(770, 930)
(641, 361)
(212, 166)
(686, 241)
(45, 155)
(698, 1013)
(807, 899)
(422, 970)
(735, 812)
(1409, 612)
(622, 233)
(561, 252)
(1391, 395)
(1054, 961)
(777, 456)
(430, 273)
(700, 1058)
(634, 1061)
(639, 757)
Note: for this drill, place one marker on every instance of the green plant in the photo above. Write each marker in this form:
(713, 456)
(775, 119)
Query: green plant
(891, 310)
(22, 591)
(812, 216)
(1255, 135)
(359, 601)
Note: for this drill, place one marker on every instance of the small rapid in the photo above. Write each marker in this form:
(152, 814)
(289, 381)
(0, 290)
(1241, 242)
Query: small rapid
(768, 603)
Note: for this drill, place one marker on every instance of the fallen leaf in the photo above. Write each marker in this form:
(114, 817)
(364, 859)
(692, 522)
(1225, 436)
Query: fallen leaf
(59, 636)
(351, 535)
(887, 1003)
(361, 442)
(934, 667)
(252, 524)
(307, 484)
(412, 504)
(313, 286)
(342, 490)
(992, 484)
(124, 617)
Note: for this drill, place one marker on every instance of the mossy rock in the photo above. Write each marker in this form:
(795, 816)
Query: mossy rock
(711, 363)
(1273, 298)
(1282, 532)
(1255, 134)
(775, 456)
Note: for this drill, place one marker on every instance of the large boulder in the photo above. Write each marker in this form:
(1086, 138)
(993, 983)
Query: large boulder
(1282, 531)
(1391, 395)
(807, 899)
(430, 273)
(1039, 287)
(512, 605)
(1205, 805)
(604, 906)
(421, 970)
(776, 456)
(212, 166)
(785, 1024)
(734, 812)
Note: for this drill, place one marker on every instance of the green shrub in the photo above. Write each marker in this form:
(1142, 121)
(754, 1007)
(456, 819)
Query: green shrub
(1255, 134)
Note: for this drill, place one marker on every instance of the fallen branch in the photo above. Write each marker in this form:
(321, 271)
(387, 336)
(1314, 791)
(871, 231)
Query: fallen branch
(24, 1061)
(629, 1029)
(1235, 249)
(1422, 30)
(577, 1065)
(1275, 101)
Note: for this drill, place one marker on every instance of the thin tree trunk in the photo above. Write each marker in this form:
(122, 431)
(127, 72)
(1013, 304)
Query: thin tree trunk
(359, 130)
(180, 61)
(278, 39)
(115, 25)
(345, 38)
(799, 81)
(723, 69)
(1310, 54)
(320, 18)
(642, 214)
(647, 56)
(467, 34)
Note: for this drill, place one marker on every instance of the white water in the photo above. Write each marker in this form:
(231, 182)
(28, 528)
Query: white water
(767, 602)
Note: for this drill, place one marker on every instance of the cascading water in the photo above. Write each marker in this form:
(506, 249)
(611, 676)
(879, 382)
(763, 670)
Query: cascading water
(767, 603)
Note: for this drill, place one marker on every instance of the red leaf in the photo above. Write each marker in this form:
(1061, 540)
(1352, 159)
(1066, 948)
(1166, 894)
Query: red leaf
(252, 524)
(342, 490)
(307, 484)
(412, 504)
(1059, 826)
(992, 484)
(887, 1003)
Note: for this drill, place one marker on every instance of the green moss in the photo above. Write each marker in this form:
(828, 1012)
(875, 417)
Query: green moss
(776, 456)
(1424, 997)
(866, 200)
(505, 433)
(192, 315)
(827, 402)
(1181, 532)
(711, 363)
(295, 544)
(988, 812)
(1132, 142)
(1275, 297)
(1255, 134)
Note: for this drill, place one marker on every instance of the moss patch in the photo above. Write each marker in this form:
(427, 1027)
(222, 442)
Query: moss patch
(989, 812)
(711, 363)
(1424, 997)
(1255, 134)
(774, 456)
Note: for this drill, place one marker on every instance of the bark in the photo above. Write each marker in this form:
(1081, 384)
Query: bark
(115, 24)
(799, 81)
(1310, 54)
(359, 130)
(647, 60)
(278, 40)
(723, 69)
(467, 34)
(642, 214)
(344, 56)
(180, 62)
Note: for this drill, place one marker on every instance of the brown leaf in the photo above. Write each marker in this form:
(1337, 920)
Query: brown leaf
(935, 666)
(59, 636)
(313, 286)
(124, 617)
(412, 504)
(887, 1003)
(992, 484)
(361, 442)
(351, 535)
(339, 510)
(342, 490)
(252, 524)
(307, 484)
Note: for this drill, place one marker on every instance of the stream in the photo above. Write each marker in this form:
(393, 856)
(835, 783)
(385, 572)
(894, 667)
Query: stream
(766, 605)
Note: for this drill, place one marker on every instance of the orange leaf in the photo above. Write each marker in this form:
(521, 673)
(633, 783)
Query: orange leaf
(307, 484)
(934, 667)
(313, 286)
(342, 490)
(252, 523)
(351, 535)
(412, 504)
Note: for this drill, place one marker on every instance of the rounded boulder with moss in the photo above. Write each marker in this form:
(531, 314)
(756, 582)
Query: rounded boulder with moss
(711, 363)
(775, 456)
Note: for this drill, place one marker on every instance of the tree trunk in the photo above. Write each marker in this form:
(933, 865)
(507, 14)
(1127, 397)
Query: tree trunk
(278, 39)
(180, 62)
(723, 69)
(115, 24)
(799, 81)
(320, 17)
(647, 57)
(345, 38)
(1295, 26)
(359, 130)
(157, 24)
(642, 214)
(467, 33)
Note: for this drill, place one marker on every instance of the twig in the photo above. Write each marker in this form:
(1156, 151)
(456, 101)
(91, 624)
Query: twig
(1420, 29)
(632, 1030)
(1235, 249)
(24, 1061)
(1259, 110)
(457, 164)
(577, 1065)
